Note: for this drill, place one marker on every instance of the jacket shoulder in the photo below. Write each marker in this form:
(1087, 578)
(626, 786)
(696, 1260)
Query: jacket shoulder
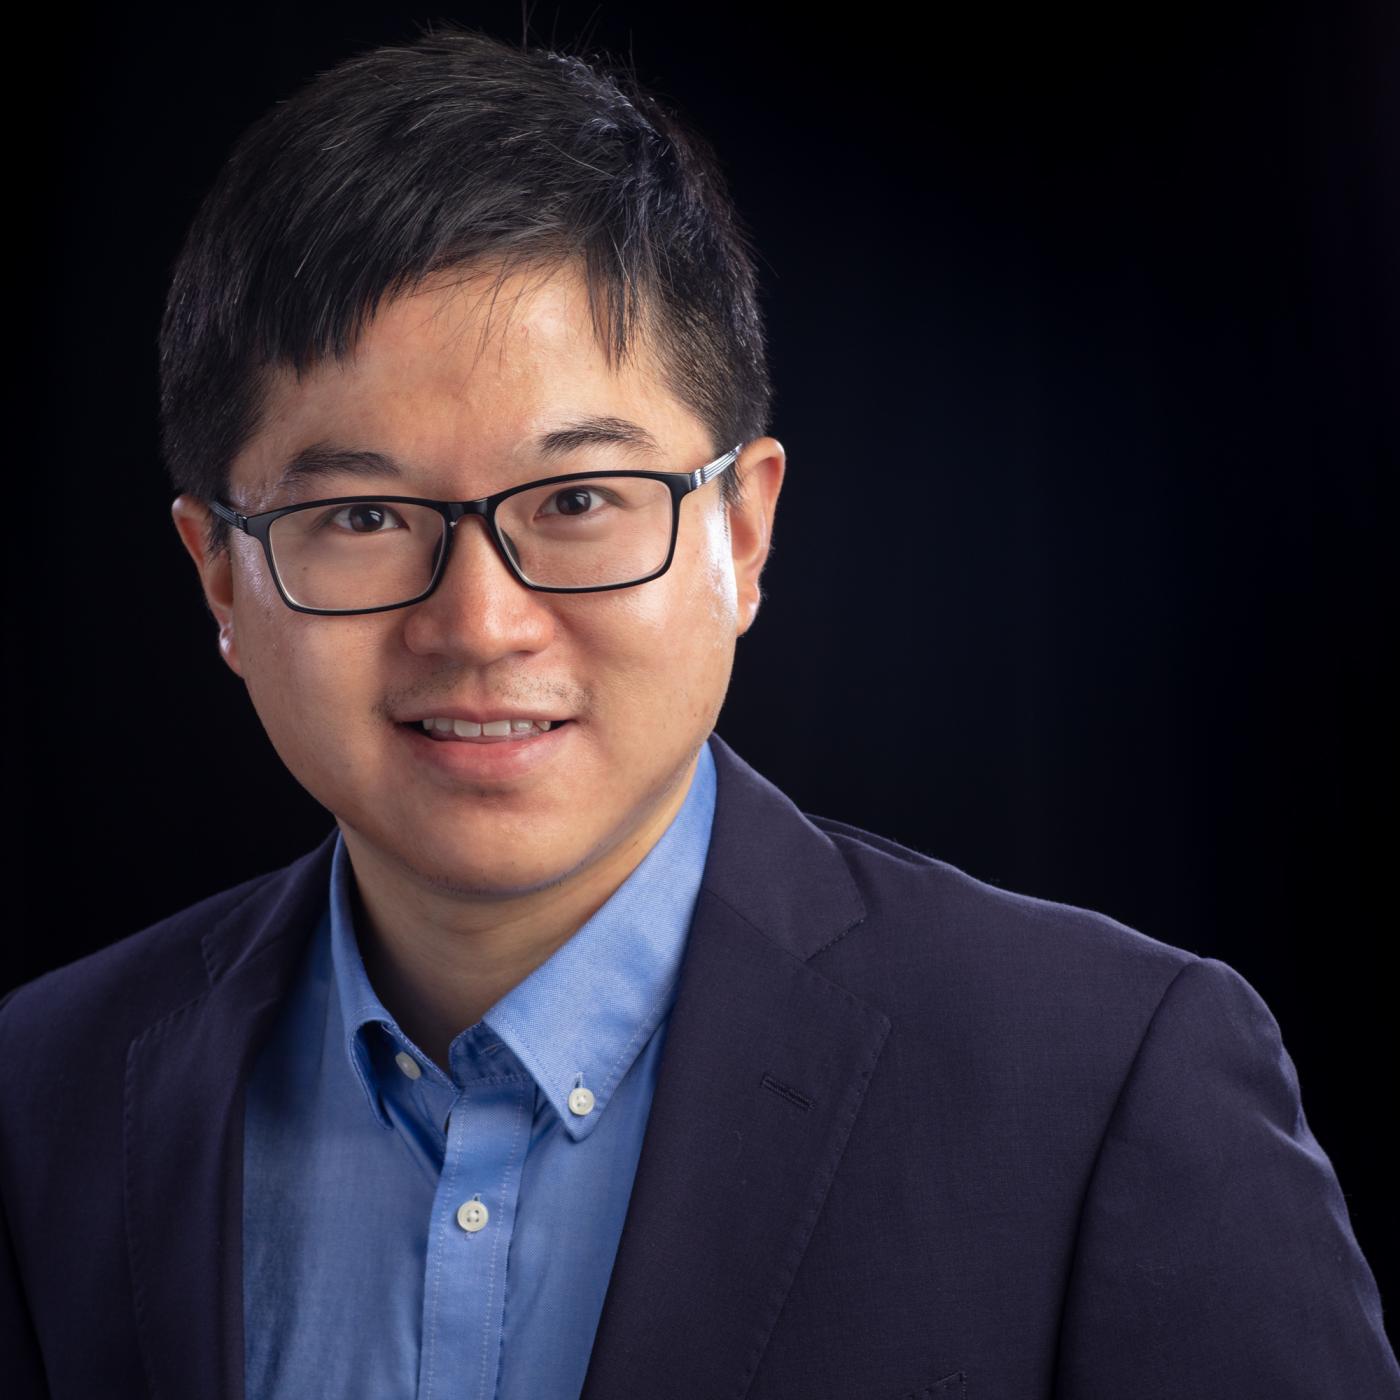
(932, 933)
(1028, 1014)
(121, 988)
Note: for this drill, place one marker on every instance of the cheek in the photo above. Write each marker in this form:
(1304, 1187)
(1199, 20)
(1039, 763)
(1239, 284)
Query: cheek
(712, 599)
(668, 645)
(689, 611)
(253, 589)
(717, 565)
(260, 618)
(314, 693)
(306, 676)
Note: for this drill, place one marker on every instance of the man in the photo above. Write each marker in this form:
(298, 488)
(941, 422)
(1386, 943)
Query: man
(575, 1060)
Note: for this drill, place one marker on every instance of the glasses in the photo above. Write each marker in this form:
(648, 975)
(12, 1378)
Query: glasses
(584, 532)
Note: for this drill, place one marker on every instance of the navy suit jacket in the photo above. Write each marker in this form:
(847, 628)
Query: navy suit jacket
(913, 1136)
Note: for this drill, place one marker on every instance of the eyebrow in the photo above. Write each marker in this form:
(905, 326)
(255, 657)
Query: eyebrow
(590, 432)
(323, 459)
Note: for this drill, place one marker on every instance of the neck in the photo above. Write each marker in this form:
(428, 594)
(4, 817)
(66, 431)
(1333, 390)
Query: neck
(439, 962)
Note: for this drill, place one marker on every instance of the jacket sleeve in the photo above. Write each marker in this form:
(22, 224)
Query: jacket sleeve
(21, 1365)
(1215, 1256)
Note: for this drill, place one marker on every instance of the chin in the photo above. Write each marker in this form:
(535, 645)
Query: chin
(502, 862)
(485, 882)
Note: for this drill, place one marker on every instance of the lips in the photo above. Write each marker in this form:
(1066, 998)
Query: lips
(476, 715)
(467, 732)
(497, 761)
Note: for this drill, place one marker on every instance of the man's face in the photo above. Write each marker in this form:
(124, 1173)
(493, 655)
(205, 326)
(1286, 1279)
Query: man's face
(639, 673)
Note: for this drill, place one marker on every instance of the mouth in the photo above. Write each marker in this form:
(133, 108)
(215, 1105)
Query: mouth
(464, 732)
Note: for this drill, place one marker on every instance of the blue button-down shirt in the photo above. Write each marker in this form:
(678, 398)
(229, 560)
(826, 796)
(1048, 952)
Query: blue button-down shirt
(410, 1233)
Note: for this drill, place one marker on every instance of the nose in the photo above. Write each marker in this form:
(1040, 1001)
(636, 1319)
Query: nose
(478, 613)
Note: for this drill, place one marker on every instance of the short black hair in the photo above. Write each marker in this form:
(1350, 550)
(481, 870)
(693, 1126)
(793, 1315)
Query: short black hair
(454, 151)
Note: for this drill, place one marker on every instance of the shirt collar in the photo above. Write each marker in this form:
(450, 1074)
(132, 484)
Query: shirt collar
(582, 1017)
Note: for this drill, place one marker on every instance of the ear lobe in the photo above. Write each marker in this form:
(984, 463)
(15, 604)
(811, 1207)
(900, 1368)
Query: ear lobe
(191, 517)
(228, 648)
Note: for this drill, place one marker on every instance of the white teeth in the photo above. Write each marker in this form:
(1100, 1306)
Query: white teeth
(493, 729)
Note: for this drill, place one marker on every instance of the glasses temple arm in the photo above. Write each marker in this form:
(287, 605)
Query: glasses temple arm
(708, 473)
(224, 513)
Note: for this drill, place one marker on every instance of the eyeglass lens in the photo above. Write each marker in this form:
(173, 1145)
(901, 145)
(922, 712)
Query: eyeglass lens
(371, 554)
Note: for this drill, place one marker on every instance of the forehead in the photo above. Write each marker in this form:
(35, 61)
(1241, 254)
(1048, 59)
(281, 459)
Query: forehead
(469, 372)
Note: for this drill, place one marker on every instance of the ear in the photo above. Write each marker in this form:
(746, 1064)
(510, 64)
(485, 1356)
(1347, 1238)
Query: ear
(192, 520)
(761, 465)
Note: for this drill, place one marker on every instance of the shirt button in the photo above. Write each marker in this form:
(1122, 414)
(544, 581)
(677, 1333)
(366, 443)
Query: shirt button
(408, 1064)
(581, 1101)
(472, 1215)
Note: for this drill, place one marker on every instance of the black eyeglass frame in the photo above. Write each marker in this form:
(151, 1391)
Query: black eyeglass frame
(681, 484)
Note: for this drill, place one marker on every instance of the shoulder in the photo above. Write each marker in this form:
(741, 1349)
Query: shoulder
(73, 1029)
(931, 899)
(944, 953)
(117, 991)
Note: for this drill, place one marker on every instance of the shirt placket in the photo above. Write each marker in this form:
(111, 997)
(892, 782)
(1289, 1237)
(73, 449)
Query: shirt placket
(473, 1217)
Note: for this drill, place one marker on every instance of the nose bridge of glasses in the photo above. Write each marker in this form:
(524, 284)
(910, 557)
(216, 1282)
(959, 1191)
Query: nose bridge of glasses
(494, 538)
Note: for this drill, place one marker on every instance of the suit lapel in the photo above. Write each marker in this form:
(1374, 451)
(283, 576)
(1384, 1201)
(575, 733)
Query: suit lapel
(183, 1156)
(763, 1072)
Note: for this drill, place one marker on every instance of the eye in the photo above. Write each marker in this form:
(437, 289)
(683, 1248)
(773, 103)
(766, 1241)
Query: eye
(365, 518)
(571, 500)
(575, 500)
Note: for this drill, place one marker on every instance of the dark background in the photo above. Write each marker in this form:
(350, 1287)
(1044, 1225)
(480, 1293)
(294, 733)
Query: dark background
(1084, 342)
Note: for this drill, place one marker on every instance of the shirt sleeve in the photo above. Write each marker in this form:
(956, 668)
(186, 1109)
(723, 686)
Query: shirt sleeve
(1215, 1256)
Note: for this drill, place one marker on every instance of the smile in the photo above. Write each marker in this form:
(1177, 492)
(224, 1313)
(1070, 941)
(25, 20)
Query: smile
(493, 731)
(493, 758)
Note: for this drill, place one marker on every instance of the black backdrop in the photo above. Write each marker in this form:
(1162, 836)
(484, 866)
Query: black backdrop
(1083, 339)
